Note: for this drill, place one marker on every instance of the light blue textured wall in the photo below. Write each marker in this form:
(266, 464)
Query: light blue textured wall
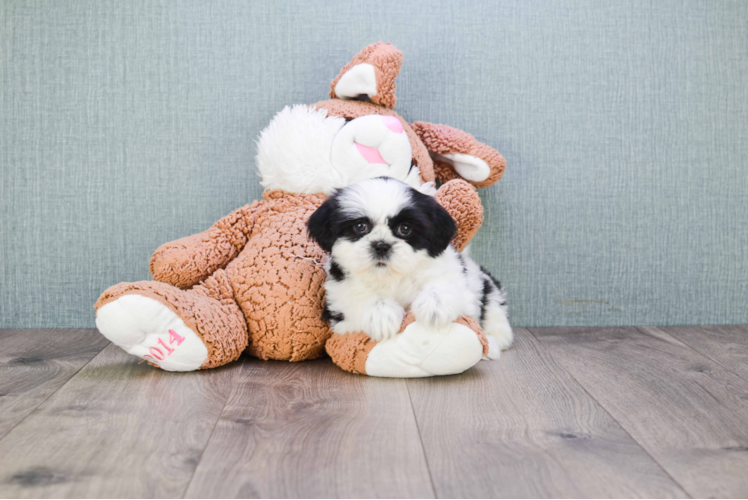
(125, 124)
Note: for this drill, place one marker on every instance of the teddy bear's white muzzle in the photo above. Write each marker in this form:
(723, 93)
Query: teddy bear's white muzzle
(372, 146)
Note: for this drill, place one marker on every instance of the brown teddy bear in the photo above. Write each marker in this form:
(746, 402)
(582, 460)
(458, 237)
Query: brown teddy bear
(254, 281)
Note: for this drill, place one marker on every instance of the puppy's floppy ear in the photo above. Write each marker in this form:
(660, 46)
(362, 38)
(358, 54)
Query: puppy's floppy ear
(444, 228)
(458, 155)
(320, 224)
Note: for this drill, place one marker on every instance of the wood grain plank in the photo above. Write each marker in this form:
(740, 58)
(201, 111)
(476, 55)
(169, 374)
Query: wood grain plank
(36, 363)
(116, 429)
(523, 427)
(311, 430)
(688, 412)
(725, 344)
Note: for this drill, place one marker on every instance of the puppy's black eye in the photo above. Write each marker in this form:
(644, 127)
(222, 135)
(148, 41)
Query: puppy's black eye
(361, 227)
(403, 230)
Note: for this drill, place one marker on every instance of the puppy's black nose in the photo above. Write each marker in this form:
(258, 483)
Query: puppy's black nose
(381, 248)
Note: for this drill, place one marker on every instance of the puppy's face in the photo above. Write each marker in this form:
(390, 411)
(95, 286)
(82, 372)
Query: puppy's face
(381, 225)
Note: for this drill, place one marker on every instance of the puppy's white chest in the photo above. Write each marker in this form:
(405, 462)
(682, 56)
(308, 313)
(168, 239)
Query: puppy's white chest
(402, 290)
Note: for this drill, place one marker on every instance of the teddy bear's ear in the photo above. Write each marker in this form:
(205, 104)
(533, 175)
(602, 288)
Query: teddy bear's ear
(370, 76)
(458, 155)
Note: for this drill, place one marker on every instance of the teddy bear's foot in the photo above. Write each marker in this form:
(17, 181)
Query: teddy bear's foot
(423, 351)
(418, 351)
(174, 329)
(151, 331)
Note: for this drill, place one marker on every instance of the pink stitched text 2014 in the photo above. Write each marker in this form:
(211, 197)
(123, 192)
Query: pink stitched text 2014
(158, 354)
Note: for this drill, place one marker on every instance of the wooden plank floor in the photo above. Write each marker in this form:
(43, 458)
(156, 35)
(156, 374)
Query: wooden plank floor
(567, 412)
(532, 431)
(313, 430)
(688, 412)
(36, 363)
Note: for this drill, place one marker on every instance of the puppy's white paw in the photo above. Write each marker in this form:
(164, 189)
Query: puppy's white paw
(496, 326)
(432, 309)
(504, 337)
(383, 320)
(494, 351)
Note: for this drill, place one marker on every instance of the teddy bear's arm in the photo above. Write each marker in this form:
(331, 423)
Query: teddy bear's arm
(187, 261)
(463, 203)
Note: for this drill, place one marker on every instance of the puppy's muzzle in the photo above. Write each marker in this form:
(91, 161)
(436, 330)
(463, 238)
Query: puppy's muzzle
(381, 249)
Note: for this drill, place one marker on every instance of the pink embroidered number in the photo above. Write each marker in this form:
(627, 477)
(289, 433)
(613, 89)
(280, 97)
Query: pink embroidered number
(157, 354)
(174, 336)
(168, 349)
(154, 350)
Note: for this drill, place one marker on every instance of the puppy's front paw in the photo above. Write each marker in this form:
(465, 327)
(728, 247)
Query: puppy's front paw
(430, 308)
(383, 320)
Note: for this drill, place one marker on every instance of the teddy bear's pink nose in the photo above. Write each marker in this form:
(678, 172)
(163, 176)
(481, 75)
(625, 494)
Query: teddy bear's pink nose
(393, 124)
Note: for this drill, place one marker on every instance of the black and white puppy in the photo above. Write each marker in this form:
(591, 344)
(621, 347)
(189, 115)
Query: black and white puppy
(390, 250)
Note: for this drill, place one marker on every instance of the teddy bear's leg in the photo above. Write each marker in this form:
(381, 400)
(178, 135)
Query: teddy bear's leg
(174, 329)
(417, 351)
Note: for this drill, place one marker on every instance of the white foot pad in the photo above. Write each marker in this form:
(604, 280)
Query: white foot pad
(422, 351)
(149, 330)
